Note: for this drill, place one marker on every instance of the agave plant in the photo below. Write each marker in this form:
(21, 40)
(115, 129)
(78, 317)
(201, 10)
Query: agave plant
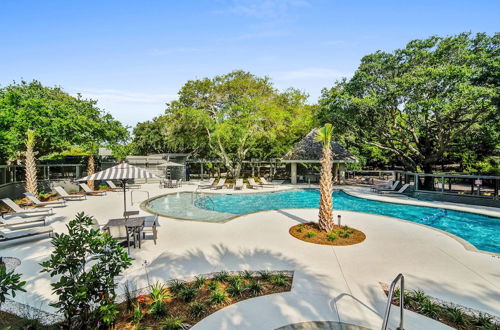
(30, 172)
(325, 184)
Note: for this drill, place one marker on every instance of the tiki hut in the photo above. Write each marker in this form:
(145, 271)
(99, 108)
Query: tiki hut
(309, 151)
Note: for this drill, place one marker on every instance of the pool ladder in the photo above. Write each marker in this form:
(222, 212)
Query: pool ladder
(390, 296)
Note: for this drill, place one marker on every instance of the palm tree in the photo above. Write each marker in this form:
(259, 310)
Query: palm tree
(30, 170)
(325, 184)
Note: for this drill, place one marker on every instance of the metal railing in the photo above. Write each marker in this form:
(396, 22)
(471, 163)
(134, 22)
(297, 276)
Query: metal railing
(390, 296)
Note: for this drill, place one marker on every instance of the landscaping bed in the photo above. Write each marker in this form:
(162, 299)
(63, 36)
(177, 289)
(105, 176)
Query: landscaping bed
(180, 305)
(340, 235)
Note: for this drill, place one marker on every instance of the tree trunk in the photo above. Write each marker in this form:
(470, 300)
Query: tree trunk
(428, 183)
(326, 189)
(91, 170)
(31, 184)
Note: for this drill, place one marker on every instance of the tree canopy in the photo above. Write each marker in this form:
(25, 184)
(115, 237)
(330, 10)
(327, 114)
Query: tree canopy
(231, 117)
(59, 120)
(434, 100)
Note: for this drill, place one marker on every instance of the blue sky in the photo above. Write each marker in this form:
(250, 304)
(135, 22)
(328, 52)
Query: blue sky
(133, 56)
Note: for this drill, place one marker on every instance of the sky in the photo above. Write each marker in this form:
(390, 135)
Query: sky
(134, 56)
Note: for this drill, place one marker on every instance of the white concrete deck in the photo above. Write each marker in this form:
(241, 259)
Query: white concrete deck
(331, 283)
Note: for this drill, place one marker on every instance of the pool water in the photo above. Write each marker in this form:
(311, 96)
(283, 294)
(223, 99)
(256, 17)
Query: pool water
(481, 231)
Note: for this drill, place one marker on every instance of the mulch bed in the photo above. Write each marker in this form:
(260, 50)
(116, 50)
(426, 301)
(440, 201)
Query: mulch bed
(340, 235)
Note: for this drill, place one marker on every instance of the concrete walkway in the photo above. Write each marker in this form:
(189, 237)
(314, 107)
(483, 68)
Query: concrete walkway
(331, 283)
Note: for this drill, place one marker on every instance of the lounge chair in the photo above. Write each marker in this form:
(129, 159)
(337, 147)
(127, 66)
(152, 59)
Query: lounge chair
(17, 234)
(179, 183)
(207, 185)
(253, 184)
(64, 195)
(264, 183)
(18, 210)
(112, 185)
(89, 191)
(239, 184)
(37, 202)
(400, 191)
(220, 184)
(392, 188)
(14, 221)
(150, 224)
(388, 185)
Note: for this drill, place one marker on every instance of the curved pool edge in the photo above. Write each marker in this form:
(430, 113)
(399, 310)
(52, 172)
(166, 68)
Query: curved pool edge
(466, 244)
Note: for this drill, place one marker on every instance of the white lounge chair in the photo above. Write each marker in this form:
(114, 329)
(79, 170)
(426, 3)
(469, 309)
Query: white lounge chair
(18, 210)
(179, 183)
(64, 195)
(16, 220)
(89, 191)
(253, 184)
(388, 185)
(239, 184)
(264, 183)
(207, 185)
(37, 202)
(400, 191)
(112, 185)
(392, 188)
(220, 184)
(17, 234)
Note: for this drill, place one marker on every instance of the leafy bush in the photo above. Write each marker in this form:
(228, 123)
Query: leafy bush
(456, 315)
(187, 294)
(279, 280)
(197, 309)
(217, 297)
(158, 309)
(235, 289)
(221, 276)
(85, 294)
(176, 286)
(248, 275)
(213, 285)
(300, 228)
(331, 236)
(265, 275)
(9, 281)
(234, 279)
(310, 234)
(255, 287)
(428, 308)
(172, 323)
(137, 314)
(199, 281)
(157, 292)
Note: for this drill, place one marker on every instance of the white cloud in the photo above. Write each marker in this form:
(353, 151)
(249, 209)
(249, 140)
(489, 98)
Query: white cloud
(312, 72)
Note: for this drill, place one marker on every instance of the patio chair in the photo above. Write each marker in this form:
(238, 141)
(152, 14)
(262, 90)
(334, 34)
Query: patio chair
(19, 210)
(400, 191)
(210, 184)
(16, 220)
(64, 195)
(150, 224)
(264, 183)
(253, 184)
(179, 183)
(239, 184)
(17, 234)
(387, 185)
(392, 188)
(89, 191)
(112, 185)
(37, 202)
(220, 184)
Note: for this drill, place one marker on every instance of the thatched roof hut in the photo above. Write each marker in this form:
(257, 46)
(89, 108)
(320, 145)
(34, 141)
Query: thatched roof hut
(310, 151)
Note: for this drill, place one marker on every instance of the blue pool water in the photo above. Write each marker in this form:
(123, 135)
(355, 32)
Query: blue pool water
(481, 231)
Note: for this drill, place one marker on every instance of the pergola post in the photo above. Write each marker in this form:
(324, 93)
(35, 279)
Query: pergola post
(342, 173)
(293, 173)
(201, 172)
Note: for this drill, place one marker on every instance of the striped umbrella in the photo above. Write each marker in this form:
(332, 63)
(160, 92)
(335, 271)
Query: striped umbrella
(123, 172)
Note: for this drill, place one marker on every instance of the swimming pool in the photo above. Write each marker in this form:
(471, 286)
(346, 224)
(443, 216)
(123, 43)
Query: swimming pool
(481, 231)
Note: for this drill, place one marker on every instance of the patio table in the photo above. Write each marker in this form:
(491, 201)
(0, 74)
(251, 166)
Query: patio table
(133, 225)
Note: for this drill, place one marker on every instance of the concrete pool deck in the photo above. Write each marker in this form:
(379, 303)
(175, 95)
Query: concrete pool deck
(330, 284)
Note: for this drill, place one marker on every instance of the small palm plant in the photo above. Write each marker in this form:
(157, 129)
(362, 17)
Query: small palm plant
(325, 184)
(30, 171)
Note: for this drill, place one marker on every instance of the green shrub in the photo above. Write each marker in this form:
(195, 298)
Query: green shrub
(235, 289)
(137, 314)
(255, 287)
(221, 276)
(187, 294)
(157, 292)
(172, 323)
(217, 297)
(213, 285)
(175, 286)
(199, 281)
(264, 275)
(248, 275)
(419, 296)
(9, 281)
(234, 279)
(279, 280)
(456, 315)
(102, 187)
(428, 308)
(331, 236)
(158, 309)
(300, 228)
(483, 320)
(310, 234)
(197, 309)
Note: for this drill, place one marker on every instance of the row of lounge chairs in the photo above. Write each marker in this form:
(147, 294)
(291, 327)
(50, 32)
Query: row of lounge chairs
(239, 185)
(21, 221)
(390, 188)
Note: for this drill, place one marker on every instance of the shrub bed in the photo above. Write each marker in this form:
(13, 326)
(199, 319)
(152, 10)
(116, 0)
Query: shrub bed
(340, 235)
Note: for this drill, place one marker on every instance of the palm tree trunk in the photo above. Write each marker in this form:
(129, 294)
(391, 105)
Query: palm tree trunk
(31, 184)
(91, 170)
(326, 189)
